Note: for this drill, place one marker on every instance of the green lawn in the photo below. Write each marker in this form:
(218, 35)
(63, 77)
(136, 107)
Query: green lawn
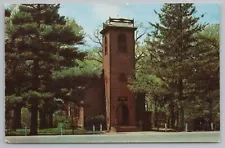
(51, 131)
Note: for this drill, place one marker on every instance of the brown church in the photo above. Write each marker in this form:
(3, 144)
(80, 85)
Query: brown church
(109, 95)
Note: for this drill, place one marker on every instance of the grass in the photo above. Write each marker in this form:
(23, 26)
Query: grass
(51, 131)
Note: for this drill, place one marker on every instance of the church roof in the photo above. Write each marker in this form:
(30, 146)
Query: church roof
(118, 22)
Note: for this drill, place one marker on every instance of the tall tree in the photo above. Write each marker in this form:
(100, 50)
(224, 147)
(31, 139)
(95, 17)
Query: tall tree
(15, 73)
(175, 38)
(205, 76)
(43, 39)
(170, 45)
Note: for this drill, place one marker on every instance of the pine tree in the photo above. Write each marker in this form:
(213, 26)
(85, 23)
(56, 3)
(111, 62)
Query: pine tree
(205, 77)
(43, 39)
(16, 78)
(174, 38)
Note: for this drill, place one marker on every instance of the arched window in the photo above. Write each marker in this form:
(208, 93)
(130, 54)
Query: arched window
(122, 42)
(106, 45)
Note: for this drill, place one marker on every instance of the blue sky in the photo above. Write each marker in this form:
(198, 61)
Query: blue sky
(91, 16)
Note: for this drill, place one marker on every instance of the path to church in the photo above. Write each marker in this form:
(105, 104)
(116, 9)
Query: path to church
(120, 138)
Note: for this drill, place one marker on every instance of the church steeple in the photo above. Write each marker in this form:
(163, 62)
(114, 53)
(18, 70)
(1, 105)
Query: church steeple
(119, 63)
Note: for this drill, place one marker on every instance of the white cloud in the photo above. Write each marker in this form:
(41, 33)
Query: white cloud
(104, 11)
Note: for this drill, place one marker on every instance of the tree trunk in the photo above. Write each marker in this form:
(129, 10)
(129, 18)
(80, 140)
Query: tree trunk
(181, 119)
(180, 108)
(172, 121)
(210, 113)
(43, 122)
(17, 117)
(177, 118)
(155, 115)
(34, 101)
(50, 120)
(153, 119)
(140, 107)
(34, 119)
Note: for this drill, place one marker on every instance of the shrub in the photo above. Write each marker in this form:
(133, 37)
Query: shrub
(95, 120)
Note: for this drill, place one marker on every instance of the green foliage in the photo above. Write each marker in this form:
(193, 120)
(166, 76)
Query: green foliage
(173, 40)
(37, 95)
(25, 117)
(146, 83)
(96, 120)
(211, 32)
(38, 42)
(65, 123)
(13, 99)
(179, 65)
(58, 118)
(205, 78)
(95, 55)
(86, 68)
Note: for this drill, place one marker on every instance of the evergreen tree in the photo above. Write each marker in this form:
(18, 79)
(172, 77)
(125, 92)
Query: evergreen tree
(16, 78)
(174, 38)
(43, 39)
(204, 81)
(72, 82)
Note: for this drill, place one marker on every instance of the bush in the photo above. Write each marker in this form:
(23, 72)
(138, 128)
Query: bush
(58, 117)
(95, 120)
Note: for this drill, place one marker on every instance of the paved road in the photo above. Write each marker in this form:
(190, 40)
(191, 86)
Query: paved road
(120, 138)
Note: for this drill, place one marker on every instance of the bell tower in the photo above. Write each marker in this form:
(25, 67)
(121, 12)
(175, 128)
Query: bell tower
(119, 65)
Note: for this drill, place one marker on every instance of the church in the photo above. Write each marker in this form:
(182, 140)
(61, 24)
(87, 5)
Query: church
(109, 95)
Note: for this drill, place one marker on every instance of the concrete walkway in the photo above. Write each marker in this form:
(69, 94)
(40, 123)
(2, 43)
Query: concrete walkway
(123, 137)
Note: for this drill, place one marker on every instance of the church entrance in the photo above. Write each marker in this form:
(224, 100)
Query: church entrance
(122, 115)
